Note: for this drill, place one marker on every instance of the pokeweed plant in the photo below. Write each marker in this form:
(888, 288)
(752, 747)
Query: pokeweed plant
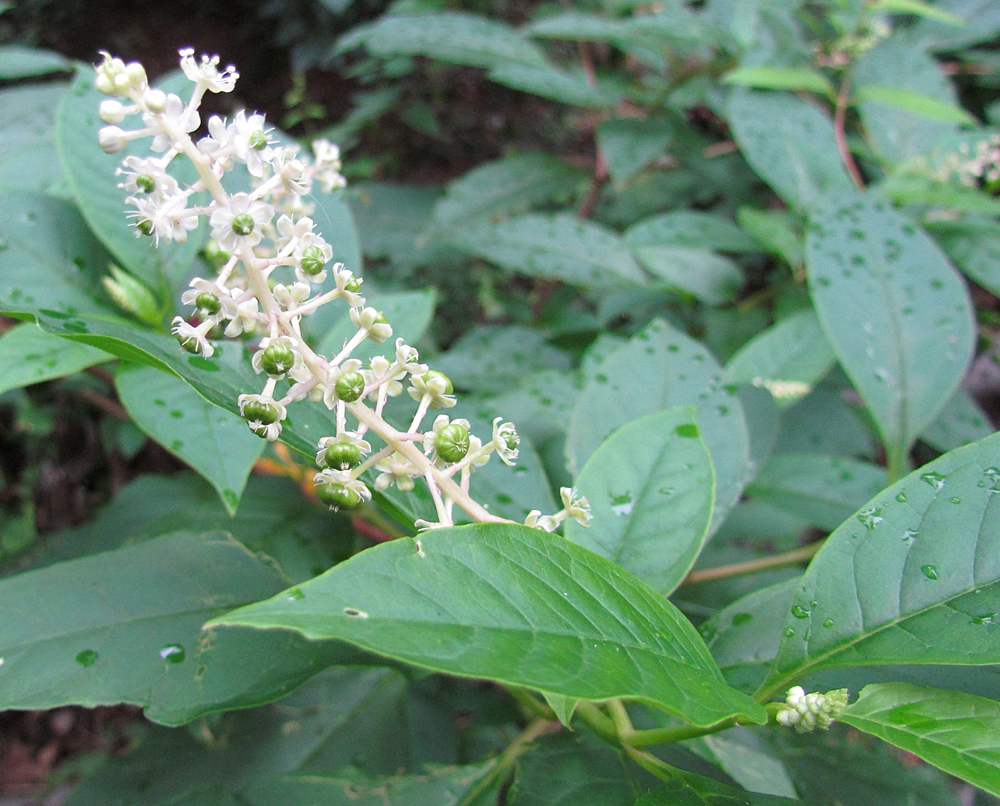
(698, 476)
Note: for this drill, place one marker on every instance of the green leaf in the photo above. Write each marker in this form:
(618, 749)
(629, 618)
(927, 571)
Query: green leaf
(392, 221)
(661, 368)
(507, 186)
(695, 790)
(925, 191)
(897, 314)
(451, 37)
(30, 355)
(546, 614)
(787, 359)
(28, 156)
(91, 174)
(916, 103)
(213, 441)
(441, 786)
(913, 578)
(790, 144)
(973, 244)
(953, 731)
(711, 278)
(823, 490)
(981, 22)
(920, 9)
(558, 247)
(747, 760)
(629, 144)
(125, 626)
(960, 422)
(651, 489)
(780, 78)
(561, 767)
(690, 228)
(548, 81)
(775, 230)
(17, 61)
(49, 259)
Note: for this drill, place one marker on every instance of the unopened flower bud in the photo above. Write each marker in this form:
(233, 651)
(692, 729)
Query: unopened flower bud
(350, 386)
(136, 74)
(155, 100)
(338, 496)
(112, 111)
(261, 412)
(112, 139)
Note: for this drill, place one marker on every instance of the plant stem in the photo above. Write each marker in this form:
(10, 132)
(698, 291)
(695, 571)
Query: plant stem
(839, 128)
(506, 760)
(528, 701)
(793, 557)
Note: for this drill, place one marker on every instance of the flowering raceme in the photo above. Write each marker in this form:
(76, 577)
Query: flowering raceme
(250, 297)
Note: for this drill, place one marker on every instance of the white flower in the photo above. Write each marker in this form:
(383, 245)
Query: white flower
(434, 385)
(207, 73)
(395, 469)
(441, 422)
(292, 171)
(378, 374)
(338, 479)
(806, 712)
(281, 343)
(406, 359)
(372, 322)
(344, 278)
(537, 520)
(575, 505)
(263, 414)
(246, 318)
(292, 297)
(198, 286)
(251, 143)
(240, 223)
(333, 375)
(148, 178)
(163, 218)
(191, 338)
(505, 441)
(327, 166)
(174, 118)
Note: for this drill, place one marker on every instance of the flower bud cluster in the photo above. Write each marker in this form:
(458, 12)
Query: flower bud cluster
(267, 230)
(806, 712)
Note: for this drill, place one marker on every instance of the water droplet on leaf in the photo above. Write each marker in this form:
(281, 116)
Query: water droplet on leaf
(173, 653)
(930, 571)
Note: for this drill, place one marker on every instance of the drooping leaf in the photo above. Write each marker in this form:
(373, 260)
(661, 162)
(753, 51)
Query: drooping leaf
(28, 156)
(690, 228)
(557, 246)
(973, 244)
(953, 731)
(215, 442)
(125, 626)
(510, 185)
(629, 144)
(696, 790)
(824, 490)
(546, 614)
(651, 488)
(960, 422)
(897, 315)
(18, 61)
(30, 355)
(661, 368)
(912, 578)
(787, 359)
(548, 81)
(711, 278)
(790, 143)
(747, 760)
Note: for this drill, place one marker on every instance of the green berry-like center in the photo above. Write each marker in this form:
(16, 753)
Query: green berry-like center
(209, 303)
(312, 260)
(342, 456)
(277, 359)
(350, 386)
(243, 224)
(354, 286)
(338, 496)
(452, 442)
(259, 411)
(145, 183)
(258, 140)
(145, 226)
(432, 374)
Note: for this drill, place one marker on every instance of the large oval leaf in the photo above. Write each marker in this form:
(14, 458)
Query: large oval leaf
(959, 733)
(897, 314)
(515, 605)
(658, 369)
(125, 626)
(913, 578)
(30, 355)
(651, 489)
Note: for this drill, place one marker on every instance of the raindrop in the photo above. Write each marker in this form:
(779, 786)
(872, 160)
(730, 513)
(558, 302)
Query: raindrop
(799, 612)
(503, 498)
(936, 480)
(910, 534)
(173, 653)
(870, 517)
(740, 619)
(901, 497)
(930, 571)
(667, 490)
(687, 430)
(828, 622)
(600, 377)
(955, 500)
(87, 657)
(355, 613)
(985, 619)
(789, 632)
(621, 504)
(295, 594)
